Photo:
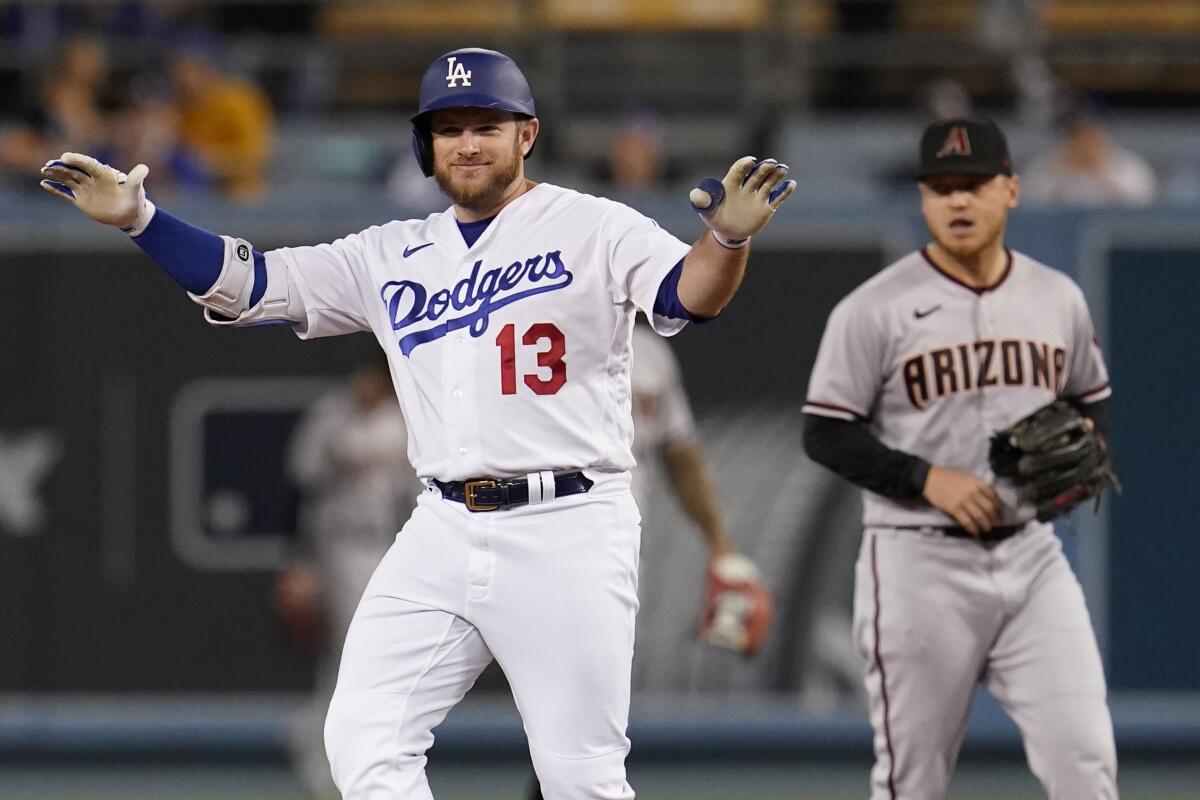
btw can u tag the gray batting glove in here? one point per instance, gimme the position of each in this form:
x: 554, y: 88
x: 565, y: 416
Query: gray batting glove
x: 743, y: 203
x: 103, y: 193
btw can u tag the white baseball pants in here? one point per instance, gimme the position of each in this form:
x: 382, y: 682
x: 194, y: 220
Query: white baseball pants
x: 549, y: 591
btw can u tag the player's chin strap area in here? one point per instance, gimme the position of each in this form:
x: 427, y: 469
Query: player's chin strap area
x: 497, y: 494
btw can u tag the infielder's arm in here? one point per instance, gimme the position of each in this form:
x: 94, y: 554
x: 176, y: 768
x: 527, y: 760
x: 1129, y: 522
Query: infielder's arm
x: 853, y: 452
x: 689, y: 476
x: 1087, y: 383
x: 845, y: 382
x: 734, y: 209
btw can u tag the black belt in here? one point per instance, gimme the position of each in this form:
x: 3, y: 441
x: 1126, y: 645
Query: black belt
x: 497, y: 494
x: 997, y: 534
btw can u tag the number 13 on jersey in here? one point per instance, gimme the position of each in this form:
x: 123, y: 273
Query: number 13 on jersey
x: 550, y: 358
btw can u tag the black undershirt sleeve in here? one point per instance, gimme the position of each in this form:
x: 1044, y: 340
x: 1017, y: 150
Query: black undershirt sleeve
x: 853, y: 452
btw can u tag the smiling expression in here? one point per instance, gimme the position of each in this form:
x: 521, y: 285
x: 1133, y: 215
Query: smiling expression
x: 478, y: 154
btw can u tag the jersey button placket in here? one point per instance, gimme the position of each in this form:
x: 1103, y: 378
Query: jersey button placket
x: 985, y: 330
x: 457, y: 360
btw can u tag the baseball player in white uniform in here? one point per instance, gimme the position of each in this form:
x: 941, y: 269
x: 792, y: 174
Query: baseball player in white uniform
x: 957, y: 584
x: 507, y: 321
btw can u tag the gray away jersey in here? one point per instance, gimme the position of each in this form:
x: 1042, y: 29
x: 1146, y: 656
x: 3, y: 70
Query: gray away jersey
x: 934, y: 367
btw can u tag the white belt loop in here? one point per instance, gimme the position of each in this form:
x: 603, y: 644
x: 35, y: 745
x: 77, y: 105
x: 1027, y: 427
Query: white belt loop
x: 534, y: 480
x: 548, y: 487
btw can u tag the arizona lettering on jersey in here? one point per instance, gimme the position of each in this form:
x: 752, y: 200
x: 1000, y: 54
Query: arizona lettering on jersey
x: 934, y: 366
x: 509, y: 356
x: 977, y: 365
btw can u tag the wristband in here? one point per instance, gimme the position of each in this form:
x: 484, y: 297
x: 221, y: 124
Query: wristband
x: 143, y: 219
x: 728, y: 243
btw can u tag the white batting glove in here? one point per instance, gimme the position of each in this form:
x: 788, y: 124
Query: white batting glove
x: 743, y: 203
x: 103, y: 193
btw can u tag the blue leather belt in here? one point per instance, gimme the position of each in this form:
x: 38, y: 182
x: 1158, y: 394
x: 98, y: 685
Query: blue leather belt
x: 497, y: 494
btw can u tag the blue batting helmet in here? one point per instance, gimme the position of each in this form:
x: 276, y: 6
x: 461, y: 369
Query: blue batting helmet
x: 468, y: 78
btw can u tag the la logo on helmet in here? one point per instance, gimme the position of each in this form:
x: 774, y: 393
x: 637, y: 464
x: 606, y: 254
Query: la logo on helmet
x: 456, y: 72
x: 957, y: 143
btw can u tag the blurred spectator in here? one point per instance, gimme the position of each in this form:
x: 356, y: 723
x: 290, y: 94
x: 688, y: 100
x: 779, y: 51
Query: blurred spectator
x: 68, y: 111
x: 636, y: 159
x: 225, y: 119
x: 146, y: 131
x: 943, y: 98
x: 349, y: 458
x: 1087, y: 168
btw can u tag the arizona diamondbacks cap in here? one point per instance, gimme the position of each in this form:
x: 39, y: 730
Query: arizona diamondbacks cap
x: 973, y: 146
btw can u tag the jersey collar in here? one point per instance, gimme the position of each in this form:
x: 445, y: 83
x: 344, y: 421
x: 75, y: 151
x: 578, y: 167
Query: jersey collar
x: 1008, y: 264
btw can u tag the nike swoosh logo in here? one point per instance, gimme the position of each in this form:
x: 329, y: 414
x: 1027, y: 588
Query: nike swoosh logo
x: 923, y: 314
x: 408, y: 251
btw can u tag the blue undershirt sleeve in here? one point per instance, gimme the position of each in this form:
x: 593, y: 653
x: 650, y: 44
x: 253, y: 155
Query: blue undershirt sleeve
x: 193, y: 257
x: 666, y: 303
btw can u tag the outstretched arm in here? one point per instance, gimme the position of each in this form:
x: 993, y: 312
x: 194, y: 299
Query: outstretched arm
x: 734, y: 209
x: 196, y: 259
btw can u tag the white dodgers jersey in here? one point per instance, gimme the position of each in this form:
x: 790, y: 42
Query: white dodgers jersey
x: 935, y: 367
x: 508, y: 356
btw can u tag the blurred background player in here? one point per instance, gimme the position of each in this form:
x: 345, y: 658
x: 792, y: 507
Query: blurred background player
x: 349, y: 458
x: 738, y: 607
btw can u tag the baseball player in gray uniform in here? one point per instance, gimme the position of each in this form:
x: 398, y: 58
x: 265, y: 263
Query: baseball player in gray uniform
x: 957, y: 584
x: 506, y: 320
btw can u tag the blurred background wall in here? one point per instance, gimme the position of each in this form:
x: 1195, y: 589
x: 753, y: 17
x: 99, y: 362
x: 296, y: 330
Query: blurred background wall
x: 138, y: 544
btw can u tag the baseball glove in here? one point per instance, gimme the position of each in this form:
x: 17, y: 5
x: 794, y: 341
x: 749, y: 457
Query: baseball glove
x: 738, y: 607
x: 1055, y: 458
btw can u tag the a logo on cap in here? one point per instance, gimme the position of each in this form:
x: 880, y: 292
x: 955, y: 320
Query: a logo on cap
x: 957, y: 143
x: 456, y: 72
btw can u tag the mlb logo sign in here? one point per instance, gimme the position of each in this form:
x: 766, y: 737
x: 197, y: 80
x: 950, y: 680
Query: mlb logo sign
x: 957, y: 143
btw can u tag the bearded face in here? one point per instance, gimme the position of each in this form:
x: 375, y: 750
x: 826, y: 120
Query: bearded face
x: 478, y: 154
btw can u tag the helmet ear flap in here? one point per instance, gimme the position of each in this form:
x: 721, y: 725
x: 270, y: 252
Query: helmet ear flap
x: 422, y: 147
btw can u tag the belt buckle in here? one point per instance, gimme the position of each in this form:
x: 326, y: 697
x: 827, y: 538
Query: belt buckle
x: 469, y: 495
